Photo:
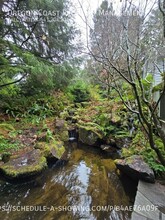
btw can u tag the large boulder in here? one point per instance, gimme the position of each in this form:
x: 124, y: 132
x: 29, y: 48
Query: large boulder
x: 89, y: 134
x: 24, y: 166
x: 52, y: 150
x: 136, y: 168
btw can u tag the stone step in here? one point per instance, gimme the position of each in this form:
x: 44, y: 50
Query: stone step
x: 149, y: 202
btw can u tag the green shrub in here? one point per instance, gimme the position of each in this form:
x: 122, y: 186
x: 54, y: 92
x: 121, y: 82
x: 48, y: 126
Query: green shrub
x: 79, y: 91
x: 39, y: 105
x: 140, y: 146
x: 6, y: 145
x: 95, y: 92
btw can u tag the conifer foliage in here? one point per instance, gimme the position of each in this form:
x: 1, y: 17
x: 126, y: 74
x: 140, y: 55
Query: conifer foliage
x: 35, y: 44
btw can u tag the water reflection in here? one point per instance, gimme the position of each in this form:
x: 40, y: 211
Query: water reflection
x: 77, y: 190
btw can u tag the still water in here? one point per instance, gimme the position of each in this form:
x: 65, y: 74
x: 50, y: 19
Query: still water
x: 87, y: 187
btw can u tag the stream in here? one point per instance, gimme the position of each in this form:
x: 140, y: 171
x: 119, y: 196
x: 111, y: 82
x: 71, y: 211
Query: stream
x: 87, y: 187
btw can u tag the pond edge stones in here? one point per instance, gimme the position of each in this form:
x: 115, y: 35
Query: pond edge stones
x: 135, y: 167
x: 24, y: 166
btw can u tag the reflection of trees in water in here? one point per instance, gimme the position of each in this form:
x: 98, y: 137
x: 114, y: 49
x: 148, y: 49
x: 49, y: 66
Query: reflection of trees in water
x: 87, y: 180
x: 69, y: 190
x: 62, y: 190
x: 105, y: 189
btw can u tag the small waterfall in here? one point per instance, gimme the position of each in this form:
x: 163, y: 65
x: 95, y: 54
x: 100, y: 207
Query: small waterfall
x: 132, y: 130
x: 131, y: 126
x: 73, y: 135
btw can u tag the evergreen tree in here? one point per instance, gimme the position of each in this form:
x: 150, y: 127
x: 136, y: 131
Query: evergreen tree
x: 36, y: 38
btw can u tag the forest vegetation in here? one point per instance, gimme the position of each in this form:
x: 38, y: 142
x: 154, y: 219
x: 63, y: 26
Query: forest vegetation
x: 109, y: 88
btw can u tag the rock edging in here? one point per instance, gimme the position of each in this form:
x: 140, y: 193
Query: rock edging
x: 136, y: 168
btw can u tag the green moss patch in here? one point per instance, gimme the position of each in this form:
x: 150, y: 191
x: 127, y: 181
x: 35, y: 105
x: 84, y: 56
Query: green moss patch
x: 53, y: 149
x: 25, y: 166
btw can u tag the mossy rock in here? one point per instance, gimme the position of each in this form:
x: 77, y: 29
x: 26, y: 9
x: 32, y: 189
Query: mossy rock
x: 61, y: 130
x: 25, y: 166
x: 51, y: 150
x: 89, y: 134
x: 135, y: 167
x: 63, y: 135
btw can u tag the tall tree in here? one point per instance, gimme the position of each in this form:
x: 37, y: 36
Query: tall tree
x: 123, y: 54
x: 162, y: 9
x: 36, y: 36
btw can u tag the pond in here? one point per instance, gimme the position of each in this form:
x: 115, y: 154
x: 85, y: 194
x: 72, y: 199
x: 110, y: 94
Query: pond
x: 86, y: 187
